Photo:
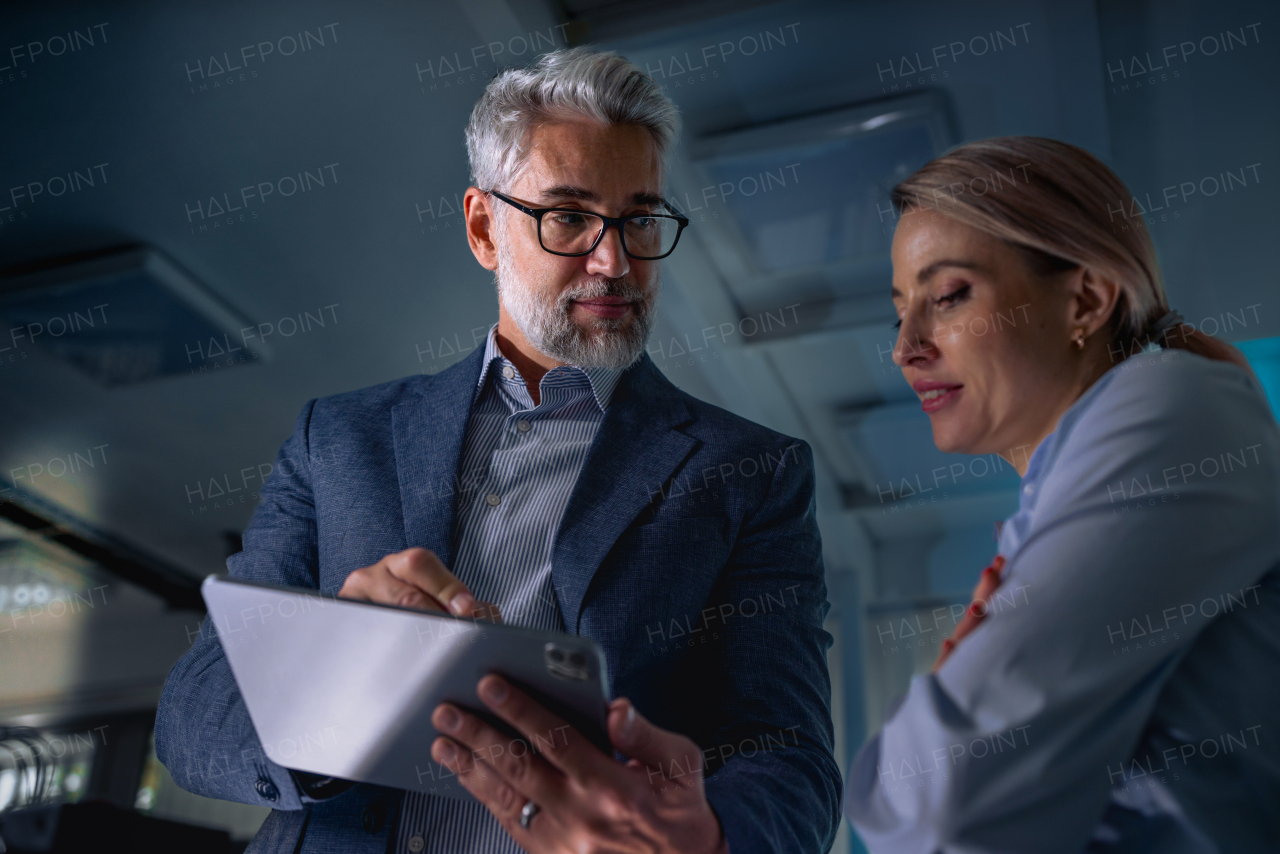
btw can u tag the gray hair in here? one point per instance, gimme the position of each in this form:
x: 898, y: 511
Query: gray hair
x: 579, y: 82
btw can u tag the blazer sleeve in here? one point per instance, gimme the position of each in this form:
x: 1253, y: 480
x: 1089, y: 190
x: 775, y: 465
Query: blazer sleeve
x: 203, y: 732
x: 1020, y: 734
x: 773, y: 779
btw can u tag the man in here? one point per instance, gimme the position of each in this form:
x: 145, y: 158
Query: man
x: 557, y: 474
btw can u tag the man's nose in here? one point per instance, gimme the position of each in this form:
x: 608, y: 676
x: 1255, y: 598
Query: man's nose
x: 608, y: 259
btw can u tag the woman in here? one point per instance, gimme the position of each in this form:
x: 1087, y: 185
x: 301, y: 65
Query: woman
x: 1126, y: 699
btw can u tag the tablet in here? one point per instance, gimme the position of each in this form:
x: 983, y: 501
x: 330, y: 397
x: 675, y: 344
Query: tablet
x: 346, y: 689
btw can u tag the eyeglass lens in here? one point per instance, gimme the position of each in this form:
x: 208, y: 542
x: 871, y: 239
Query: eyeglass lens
x: 574, y: 232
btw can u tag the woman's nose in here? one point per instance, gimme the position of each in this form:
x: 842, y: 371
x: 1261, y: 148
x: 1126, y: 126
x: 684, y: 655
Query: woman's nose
x: 913, y: 344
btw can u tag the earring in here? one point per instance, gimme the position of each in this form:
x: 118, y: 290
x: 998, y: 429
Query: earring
x: 1079, y: 339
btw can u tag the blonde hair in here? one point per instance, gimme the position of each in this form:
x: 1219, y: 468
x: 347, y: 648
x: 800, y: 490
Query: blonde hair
x: 1062, y: 208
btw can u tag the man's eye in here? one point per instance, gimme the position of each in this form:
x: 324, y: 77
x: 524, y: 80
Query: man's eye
x: 644, y: 222
x: 568, y: 219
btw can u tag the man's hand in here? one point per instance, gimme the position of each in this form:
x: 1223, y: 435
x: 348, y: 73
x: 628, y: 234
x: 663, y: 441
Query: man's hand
x: 977, y: 610
x: 587, y: 801
x: 415, y: 578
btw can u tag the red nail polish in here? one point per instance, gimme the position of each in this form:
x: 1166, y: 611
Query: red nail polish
x: 978, y: 609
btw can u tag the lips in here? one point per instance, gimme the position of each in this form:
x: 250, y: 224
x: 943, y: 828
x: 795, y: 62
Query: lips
x: 935, y: 395
x: 605, y: 306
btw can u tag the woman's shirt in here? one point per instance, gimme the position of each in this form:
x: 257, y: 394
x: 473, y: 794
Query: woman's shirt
x: 1126, y: 697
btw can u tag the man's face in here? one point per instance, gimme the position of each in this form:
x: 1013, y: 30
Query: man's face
x: 595, y: 310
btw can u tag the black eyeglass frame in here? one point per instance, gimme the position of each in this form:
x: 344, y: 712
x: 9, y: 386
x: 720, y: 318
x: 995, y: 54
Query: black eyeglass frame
x: 609, y: 222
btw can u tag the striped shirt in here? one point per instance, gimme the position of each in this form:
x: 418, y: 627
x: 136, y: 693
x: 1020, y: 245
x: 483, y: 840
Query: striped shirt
x: 518, y: 468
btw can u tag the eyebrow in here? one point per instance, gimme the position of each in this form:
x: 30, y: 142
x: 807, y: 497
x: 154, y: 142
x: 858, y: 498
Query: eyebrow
x: 927, y: 273
x: 566, y: 191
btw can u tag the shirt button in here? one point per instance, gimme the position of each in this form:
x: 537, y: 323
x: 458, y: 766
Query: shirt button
x: 493, y: 500
x: 523, y: 426
x: 416, y: 844
x: 509, y: 372
x: 1029, y: 489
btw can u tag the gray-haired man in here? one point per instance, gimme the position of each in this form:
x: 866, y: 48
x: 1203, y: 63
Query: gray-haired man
x: 557, y: 474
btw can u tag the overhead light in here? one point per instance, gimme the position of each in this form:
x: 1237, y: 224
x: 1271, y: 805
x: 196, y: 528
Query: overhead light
x: 121, y: 316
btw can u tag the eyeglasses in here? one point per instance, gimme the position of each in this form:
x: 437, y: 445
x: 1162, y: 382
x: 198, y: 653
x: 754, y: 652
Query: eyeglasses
x: 571, y: 233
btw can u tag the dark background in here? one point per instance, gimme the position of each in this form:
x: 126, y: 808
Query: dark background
x: 836, y: 101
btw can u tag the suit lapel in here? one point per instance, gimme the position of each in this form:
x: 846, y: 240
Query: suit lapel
x: 428, y: 433
x: 634, y: 453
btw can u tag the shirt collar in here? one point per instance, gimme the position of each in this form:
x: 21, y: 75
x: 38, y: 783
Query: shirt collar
x: 602, y: 381
x: 1013, y: 529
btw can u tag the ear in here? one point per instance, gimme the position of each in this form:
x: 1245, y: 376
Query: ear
x: 481, y: 228
x: 1093, y: 299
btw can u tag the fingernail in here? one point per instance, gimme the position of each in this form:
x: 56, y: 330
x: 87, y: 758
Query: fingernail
x: 450, y: 720
x: 463, y: 603
x: 977, y: 609
x: 495, y: 690
x: 948, y: 643
x: 628, y: 720
x: 448, y: 751
x: 991, y: 570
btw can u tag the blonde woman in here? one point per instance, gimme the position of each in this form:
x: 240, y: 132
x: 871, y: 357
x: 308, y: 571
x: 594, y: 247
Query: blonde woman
x: 1129, y: 699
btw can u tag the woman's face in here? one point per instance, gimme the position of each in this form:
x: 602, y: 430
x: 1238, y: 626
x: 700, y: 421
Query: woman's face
x: 984, y: 342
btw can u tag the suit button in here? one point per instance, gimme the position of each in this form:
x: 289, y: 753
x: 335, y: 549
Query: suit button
x: 266, y: 789
x: 416, y: 844
x: 372, y: 816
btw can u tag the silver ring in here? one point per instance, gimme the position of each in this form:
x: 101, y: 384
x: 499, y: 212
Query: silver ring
x: 527, y: 814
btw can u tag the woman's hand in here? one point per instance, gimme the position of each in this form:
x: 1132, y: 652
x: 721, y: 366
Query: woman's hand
x: 977, y: 610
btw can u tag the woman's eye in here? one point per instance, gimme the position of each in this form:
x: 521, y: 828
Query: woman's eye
x: 955, y: 296
x: 898, y: 324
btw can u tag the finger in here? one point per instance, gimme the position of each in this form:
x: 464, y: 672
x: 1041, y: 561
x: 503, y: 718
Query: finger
x: 486, y: 611
x: 421, y: 568
x: 989, y: 580
x: 973, y: 615
x: 562, y: 746
x: 376, y: 584
x: 667, y: 756
x: 947, y: 646
x: 980, y: 606
x: 511, y: 758
x: 487, y: 785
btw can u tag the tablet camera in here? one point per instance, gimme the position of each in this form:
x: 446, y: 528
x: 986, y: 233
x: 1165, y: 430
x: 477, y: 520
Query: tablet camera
x: 566, y: 663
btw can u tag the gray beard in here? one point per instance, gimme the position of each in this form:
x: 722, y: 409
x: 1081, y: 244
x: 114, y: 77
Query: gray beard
x: 616, y: 343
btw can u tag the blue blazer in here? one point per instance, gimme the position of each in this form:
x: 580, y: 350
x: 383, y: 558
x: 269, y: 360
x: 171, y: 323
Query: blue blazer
x: 689, y: 551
